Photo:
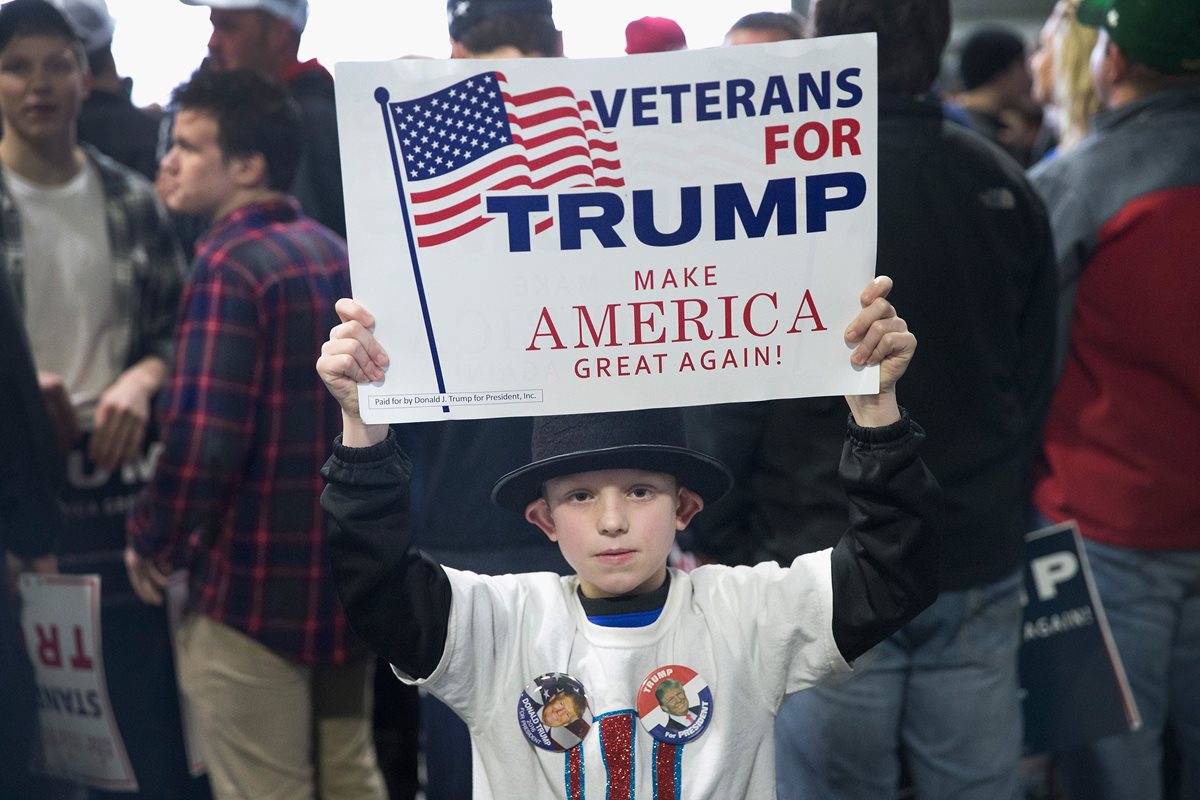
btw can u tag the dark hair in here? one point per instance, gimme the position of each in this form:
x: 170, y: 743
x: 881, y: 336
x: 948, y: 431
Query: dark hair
x: 38, y: 18
x: 532, y: 34
x: 986, y: 53
x: 792, y: 24
x: 912, y: 36
x: 254, y: 114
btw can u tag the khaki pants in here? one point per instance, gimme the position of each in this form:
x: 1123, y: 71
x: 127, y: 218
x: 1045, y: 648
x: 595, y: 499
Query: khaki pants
x: 275, y: 730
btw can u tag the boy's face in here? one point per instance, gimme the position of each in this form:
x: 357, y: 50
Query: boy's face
x: 615, y: 527
x: 42, y: 85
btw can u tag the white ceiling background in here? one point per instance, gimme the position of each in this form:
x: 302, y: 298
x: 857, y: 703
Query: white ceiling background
x: 159, y: 42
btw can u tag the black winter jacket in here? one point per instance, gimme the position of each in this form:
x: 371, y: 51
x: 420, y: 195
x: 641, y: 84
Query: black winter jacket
x: 967, y: 242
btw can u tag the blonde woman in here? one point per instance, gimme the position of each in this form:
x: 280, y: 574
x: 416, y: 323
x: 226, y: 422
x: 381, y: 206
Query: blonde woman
x: 1061, y: 78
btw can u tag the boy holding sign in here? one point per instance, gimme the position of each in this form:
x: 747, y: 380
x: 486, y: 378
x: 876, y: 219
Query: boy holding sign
x: 612, y: 490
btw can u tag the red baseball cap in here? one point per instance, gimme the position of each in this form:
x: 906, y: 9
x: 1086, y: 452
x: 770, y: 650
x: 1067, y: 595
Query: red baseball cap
x: 654, y: 35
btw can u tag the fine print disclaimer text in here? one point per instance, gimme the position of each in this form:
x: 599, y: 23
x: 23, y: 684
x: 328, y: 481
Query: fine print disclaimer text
x: 491, y: 398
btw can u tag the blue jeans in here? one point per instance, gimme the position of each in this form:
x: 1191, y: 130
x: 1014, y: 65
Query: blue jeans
x: 944, y: 687
x: 1152, y: 601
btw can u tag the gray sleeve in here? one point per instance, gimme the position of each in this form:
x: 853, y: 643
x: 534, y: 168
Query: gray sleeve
x: 1074, y: 226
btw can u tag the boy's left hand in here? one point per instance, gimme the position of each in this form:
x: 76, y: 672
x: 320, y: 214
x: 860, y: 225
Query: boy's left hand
x: 880, y: 337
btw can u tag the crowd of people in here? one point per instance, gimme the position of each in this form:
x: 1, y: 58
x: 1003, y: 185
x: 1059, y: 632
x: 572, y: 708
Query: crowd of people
x: 168, y: 278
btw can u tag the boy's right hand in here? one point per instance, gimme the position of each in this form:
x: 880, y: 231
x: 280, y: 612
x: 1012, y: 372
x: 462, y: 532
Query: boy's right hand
x: 350, y: 357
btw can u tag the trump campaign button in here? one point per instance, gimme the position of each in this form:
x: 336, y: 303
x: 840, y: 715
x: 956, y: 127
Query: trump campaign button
x: 554, y: 712
x: 674, y: 704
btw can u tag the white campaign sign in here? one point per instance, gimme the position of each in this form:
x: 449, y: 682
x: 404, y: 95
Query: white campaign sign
x: 546, y: 236
x: 60, y: 621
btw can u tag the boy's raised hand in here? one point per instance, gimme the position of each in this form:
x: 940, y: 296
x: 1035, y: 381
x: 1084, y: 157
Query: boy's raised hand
x: 879, y: 336
x: 350, y: 357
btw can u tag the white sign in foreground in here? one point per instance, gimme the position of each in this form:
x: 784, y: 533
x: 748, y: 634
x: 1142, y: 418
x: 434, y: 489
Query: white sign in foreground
x: 60, y: 621
x: 547, y: 236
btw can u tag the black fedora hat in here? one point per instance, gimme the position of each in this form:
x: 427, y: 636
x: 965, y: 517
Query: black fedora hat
x: 649, y: 439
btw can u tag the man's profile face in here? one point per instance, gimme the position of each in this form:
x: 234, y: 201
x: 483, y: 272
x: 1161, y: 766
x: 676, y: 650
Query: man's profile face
x: 1041, y: 60
x: 239, y: 39
x: 674, y: 701
x: 197, y: 178
x: 42, y: 85
x: 1016, y: 81
x: 559, y: 711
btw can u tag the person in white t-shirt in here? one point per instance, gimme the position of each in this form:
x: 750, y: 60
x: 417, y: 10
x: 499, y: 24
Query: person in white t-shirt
x: 59, y: 249
x: 612, y: 490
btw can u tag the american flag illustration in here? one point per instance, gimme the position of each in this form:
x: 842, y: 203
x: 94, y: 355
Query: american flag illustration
x: 475, y: 136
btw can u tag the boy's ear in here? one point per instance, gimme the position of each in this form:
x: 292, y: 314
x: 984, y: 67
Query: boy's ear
x: 687, y: 505
x: 538, y: 512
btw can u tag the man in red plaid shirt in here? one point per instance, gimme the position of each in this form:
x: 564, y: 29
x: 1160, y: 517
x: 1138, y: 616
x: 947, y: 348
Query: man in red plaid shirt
x: 279, y: 684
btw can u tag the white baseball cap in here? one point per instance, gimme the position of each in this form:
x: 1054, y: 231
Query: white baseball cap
x: 91, y: 21
x: 294, y: 12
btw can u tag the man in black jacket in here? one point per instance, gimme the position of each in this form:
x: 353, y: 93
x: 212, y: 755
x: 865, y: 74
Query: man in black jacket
x: 968, y: 243
x: 31, y: 477
x: 108, y: 119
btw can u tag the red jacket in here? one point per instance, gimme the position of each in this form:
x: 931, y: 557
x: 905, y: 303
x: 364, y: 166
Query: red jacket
x: 1123, y: 433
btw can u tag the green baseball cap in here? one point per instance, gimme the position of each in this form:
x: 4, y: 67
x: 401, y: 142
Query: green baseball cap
x: 1162, y: 34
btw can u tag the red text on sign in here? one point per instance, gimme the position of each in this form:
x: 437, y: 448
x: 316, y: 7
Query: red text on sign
x: 814, y: 140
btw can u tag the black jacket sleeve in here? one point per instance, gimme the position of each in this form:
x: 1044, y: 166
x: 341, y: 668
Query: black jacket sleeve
x: 395, y: 599
x: 885, y: 568
x: 32, y: 471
